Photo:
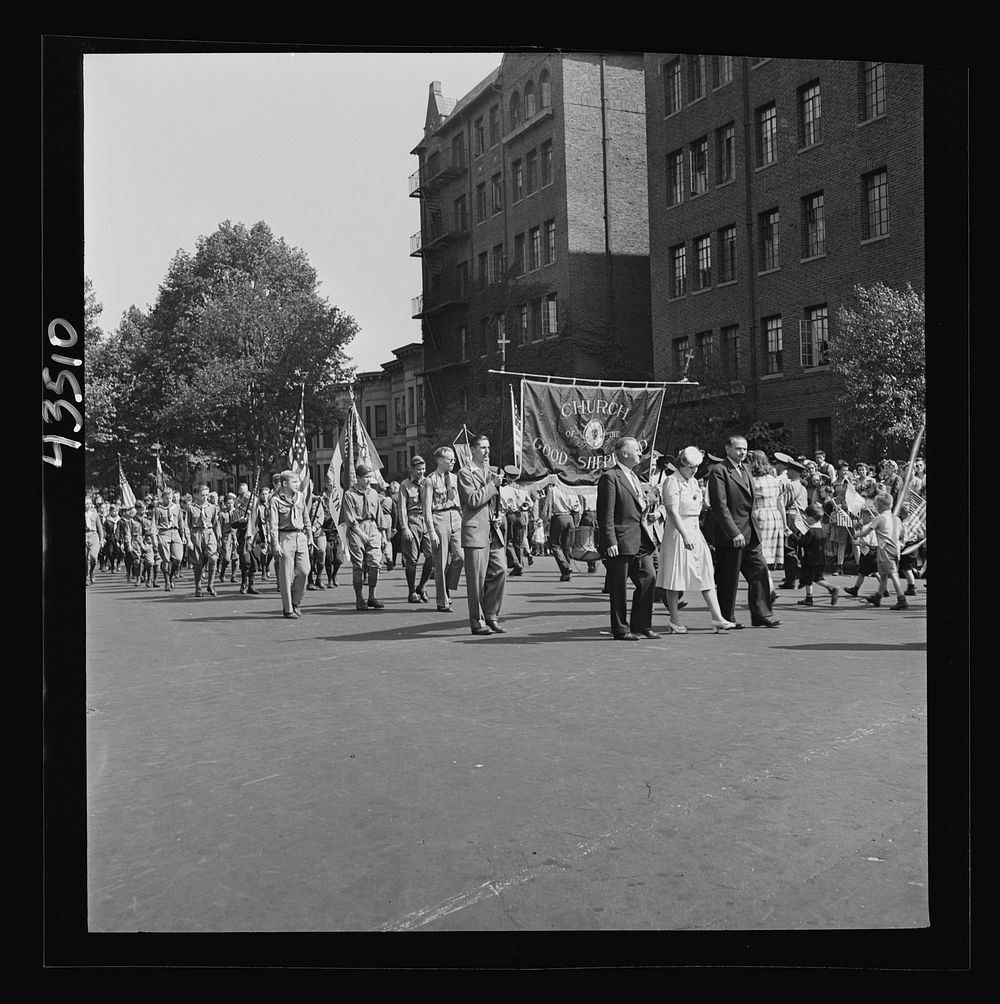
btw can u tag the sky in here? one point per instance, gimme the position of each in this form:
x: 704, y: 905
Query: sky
x: 317, y: 145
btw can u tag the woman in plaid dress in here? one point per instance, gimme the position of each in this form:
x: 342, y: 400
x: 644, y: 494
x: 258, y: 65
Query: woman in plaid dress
x: 768, y: 511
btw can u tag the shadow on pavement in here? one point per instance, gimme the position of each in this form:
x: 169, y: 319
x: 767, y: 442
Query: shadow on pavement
x: 910, y: 646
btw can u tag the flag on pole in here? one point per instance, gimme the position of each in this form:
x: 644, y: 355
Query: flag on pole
x: 854, y: 502
x: 298, y: 455
x: 252, y: 525
x: 463, y: 448
x: 518, y: 429
x: 915, y: 523
x: 128, y: 496
x: 161, y: 481
x: 909, y: 470
x: 336, y: 464
x: 356, y: 447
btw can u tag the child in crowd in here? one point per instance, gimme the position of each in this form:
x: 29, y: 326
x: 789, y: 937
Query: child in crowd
x: 887, y: 528
x: 908, y: 562
x: 811, y: 556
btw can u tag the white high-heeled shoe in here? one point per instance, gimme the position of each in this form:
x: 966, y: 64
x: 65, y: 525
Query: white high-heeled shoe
x: 721, y: 626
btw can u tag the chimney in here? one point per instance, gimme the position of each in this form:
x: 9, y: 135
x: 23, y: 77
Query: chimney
x: 436, y: 87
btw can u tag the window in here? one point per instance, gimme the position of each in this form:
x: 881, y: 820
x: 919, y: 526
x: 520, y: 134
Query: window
x: 328, y: 439
x: 682, y: 346
x: 551, y: 315
x: 876, y: 204
x: 672, y: 87
x: 497, y: 190
x: 524, y: 332
x: 769, y: 240
x: 705, y: 346
x: 767, y: 135
x: 501, y: 328
x: 703, y: 256
x: 530, y: 104
x: 496, y: 264
x: 516, y: 181
x: 813, y: 226
x: 536, y: 320
x: 730, y: 336
x: 410, y: 409
x: 420, y: 403
x: 872, y: 90
x: 534, y: 248
x: 549, y: 244
x: 814, y: 337
x: 696, y: 77
x: 819, y: 436
x: 772, y: 344
x: 381, y: 420
x: 727, y: 254
x: 532, y: 162
x: 481, y: 202
x: 675, y: 178
x: 678, y: 270
x: 545, y: 87
x: 399, y: 420
x: 458, y: 150
x: 463, y: 341
x: 547, y: 163
x: 810, y: 115
x: 515, y: 110
x: 484, y: 335
x: 519, y: 254
x: 725, y: 154
x: 461, y: 214
x: 722, y: 70
x: 478, y: 138
x: 483, y: 269
x: 699, y: 166
x: 462, y: 279
x: 368, y: 420
x: 494, y: 125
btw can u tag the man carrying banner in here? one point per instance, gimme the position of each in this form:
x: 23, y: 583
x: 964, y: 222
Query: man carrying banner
x: 414, y: 540
x: 291, y: 538
x: 483, y: 539
x: 94, y: 537
x: 625, y: 544
x: 319, y: 517
x: 442, y: 517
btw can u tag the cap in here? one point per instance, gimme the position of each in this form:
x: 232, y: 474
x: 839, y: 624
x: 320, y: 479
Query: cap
x: 783, y: 458
x: 795, y: 465
x: 714, y: 459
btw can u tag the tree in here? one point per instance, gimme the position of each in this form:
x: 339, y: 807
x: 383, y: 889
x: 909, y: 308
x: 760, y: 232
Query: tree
x: 879, y: 351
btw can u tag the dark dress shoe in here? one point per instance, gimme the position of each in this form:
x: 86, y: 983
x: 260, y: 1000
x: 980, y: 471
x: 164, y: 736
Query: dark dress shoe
x: 288, y: 614
x: 647, y: 633
x: 252, y: 592
x: 628, y: 636
x: 681, y: 604
x: 311, y: 588
x: 495, y: 628
x: 771, y: 622
x: 444, y: 610
x: 482, y: 631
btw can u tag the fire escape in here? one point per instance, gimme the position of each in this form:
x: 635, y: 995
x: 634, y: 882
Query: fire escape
x: 444, y: 286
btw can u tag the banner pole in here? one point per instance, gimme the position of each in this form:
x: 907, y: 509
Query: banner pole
x: 677, y: 403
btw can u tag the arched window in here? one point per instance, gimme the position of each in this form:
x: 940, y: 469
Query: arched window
x: 530, y: 106
x: 546, y: 88
x: 515, y: 110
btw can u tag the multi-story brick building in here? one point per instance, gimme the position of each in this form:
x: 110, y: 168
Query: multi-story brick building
x: 776, y: 186
x: 532, y: 190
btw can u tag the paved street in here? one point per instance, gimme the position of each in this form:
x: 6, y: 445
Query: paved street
x: 388, y: 771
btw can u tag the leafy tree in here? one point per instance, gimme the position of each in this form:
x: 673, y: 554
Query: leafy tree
x: 879, y: 351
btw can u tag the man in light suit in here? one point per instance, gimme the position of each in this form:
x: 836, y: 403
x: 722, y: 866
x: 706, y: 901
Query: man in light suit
x: 737, y: 542
x: 626, y: 544
x: 483, y: 540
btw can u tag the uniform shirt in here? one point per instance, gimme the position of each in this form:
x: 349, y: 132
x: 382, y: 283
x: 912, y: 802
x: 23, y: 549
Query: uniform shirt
x: 443, y: 489
x: 410, y: 504
x: 202, y: 517
x: 560, y: 502
x: 241, y: 512
x: 285, y: 513
x: 133, y: 529
x: 167, y: 517
x: 361, y: 506
x: 94, y: 523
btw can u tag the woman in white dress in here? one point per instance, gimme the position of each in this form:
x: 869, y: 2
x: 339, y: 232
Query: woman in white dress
x: 685, y: 560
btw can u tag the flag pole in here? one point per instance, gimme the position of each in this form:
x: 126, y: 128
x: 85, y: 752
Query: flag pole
x: 909, y: 470
x: 677, y: 403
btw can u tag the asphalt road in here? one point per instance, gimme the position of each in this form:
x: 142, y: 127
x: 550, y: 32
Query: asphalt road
x: 388, y: 771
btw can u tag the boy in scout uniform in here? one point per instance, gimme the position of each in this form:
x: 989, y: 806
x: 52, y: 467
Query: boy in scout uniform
x: 169, y: 536
x: 364, y: 540
x: 204, y: 532
x: 319, y: 516
x: 413, y: 538
x: 140, y: 528
x: 291, y: 540
x: 227, y: 538
x: 334, y: 545
x: 443, y: 519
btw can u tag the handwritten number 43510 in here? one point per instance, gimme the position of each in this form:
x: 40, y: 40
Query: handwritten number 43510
x: 53, y: 411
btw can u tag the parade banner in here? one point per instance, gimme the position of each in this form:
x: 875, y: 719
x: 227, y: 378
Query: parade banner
x: 571, y: 429
x: 463, y: 449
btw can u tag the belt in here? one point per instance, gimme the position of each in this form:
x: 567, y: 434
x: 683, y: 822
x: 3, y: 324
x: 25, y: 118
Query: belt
x: 292, y: 529
x: 447, y: 508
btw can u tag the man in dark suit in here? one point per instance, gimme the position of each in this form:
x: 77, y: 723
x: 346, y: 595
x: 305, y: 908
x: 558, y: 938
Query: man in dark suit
x: 483, y: 539
x: 737, y: 543
x: 626, y: 545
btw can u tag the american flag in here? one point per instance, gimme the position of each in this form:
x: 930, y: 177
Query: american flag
x: 518, y: 430
x: 915, y: 524
x: 128, y: 496
x: 298, y: 455
x: 161, y: 481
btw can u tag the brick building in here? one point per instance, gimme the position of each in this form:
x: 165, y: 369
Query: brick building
x: 533, y: 226
x: 775, y: 186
